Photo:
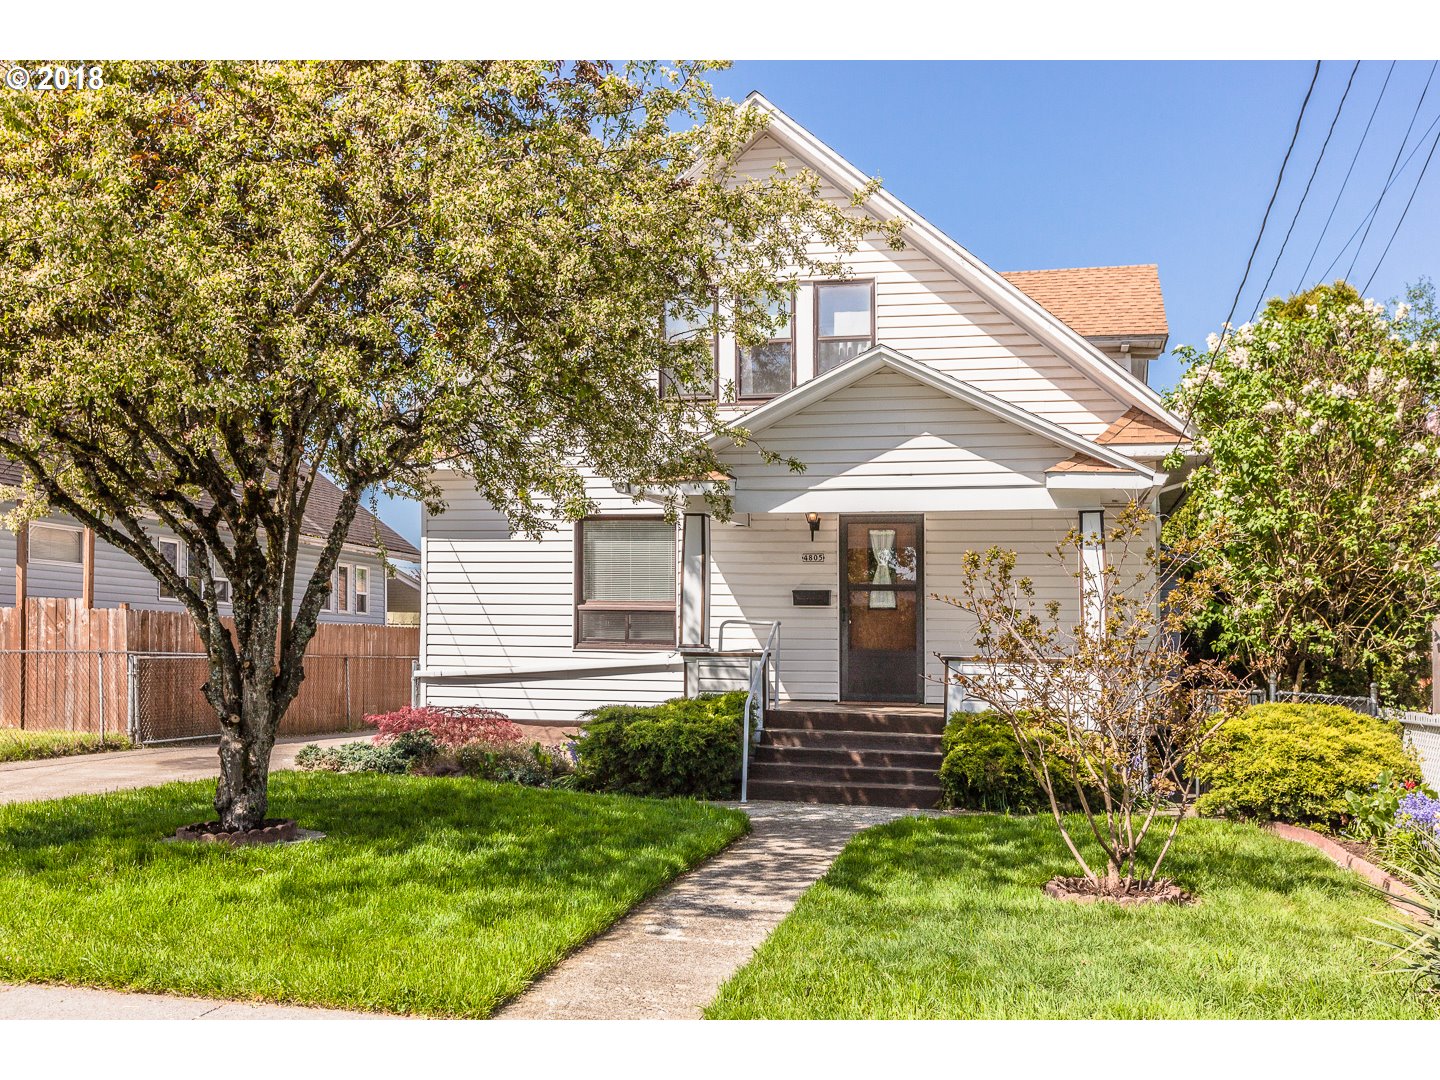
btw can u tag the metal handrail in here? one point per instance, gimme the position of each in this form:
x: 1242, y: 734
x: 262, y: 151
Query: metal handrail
x: 758, y: 684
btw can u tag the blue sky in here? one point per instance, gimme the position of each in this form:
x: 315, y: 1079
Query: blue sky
x: 1037, y: 164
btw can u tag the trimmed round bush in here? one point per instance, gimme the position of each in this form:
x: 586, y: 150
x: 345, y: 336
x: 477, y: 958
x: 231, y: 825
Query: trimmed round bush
x: 685, y: 746
x: 1282, y: 762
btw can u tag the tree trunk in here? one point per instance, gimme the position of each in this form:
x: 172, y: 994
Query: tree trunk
x: 246, y: 739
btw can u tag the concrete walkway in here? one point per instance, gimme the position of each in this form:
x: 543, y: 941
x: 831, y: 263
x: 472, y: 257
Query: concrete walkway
x: 667, y: 958
x: 92, y: 774
x: 81, y: 1003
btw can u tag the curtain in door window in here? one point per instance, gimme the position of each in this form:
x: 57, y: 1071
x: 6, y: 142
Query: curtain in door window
x: 882, y: 549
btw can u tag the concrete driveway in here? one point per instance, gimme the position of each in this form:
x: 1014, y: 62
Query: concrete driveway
x: 93, y: 774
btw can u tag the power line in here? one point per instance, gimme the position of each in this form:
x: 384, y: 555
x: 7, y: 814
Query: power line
x: 1370, y: 214
x: 1413, y: 117
x: 1306, y: 193
x: 1305, y: 274
x: 1418, y: 180
x: 1264, y: 220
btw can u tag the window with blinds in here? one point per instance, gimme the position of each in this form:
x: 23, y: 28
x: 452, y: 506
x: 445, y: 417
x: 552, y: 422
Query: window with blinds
x: 54, y: 543
x: 625, y: 588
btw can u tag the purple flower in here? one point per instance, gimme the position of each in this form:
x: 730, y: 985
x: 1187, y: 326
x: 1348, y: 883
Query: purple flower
x: 1419, y: 813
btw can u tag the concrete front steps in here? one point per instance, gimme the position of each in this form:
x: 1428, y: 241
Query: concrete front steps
x: 865, y: 755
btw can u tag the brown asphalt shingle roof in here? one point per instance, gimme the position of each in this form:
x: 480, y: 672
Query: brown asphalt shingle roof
x: 1083, y: 463
x: 319, y: 514
x: 1138, y: 428
x: 1099, y: 301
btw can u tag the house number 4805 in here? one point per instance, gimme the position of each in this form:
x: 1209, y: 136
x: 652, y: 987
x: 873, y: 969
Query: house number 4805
x: 812, y: 556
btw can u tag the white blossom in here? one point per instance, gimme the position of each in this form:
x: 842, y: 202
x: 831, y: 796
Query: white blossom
x: 1402, y: 311
x: 1270, y: 408
x: 1375, y: 379
x: 1340, y: 390
x: 1319, y: 426
x: 1212, y: 341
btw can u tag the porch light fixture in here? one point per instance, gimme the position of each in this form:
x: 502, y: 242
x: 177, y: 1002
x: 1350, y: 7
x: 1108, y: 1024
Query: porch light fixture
x: 813, y: 519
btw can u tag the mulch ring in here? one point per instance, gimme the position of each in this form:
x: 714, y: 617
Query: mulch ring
x: 270, y: 831
x: 1080, y: 890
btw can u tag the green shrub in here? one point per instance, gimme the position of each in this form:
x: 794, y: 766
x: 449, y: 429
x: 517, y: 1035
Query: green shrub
x: 1295, y: 762
x: 507, y: 763
x: 408, y: 750
x: 983, y: 768
x: 686, y: 746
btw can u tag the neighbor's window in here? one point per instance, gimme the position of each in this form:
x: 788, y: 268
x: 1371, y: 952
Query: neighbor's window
x: 769, y: 369
x: 625, y: 592
x: 54, y: 543
x: 170, y: 552
x: 340, y: 589
x: 362, y: 590
x: 844, y: 322
x: 196, y: 557
x: 681, y: 327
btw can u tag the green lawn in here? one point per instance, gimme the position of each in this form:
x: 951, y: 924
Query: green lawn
x: 945, y: 918
x: 16, y: 745
x: 434, y: 896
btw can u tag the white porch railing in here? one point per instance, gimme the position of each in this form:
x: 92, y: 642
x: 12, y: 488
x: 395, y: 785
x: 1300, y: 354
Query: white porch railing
x: 764, y: 686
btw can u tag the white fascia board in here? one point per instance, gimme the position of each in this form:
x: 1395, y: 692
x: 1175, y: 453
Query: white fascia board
x: 1093, y: 481
x: 883, y: 356
x: 988, y: 284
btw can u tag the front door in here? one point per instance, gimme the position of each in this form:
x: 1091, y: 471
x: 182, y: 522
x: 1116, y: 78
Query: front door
x: 881, y: 604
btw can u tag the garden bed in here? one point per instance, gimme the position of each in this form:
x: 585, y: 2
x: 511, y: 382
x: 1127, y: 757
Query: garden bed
x: 433, y: 896
x: 945, y: 918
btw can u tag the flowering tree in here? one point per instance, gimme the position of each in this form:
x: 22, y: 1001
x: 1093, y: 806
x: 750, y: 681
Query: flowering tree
x: 1322, y: 487
x: 1108, y: 692
x: 222, y: 279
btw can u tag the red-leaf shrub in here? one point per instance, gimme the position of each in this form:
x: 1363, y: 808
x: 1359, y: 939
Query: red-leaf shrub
x: 452, y: 727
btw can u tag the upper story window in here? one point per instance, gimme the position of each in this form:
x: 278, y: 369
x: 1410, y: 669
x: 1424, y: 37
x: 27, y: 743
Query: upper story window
x: 170, y: 552
x: 769, y: 369
x: 340, y: 589
x: 54, y: 543
x: 195, y: 558
x: 625, y: 583
x: 844, y: 322
x: 681, y: 328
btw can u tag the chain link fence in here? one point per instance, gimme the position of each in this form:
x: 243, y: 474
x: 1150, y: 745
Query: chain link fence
x: 60, y: 700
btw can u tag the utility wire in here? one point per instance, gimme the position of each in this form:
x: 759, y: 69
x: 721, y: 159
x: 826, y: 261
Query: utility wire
x: 1305, y: 274
x: 1306, y: 193
x: 1418, y: 180
x: 1264, y: 220
x: 1413, y: 117
x: 1370, y: 214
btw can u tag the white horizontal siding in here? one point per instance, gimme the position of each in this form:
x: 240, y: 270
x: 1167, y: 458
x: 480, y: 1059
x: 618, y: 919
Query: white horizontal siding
x: 922, y: 311
x: 893, y: 440
x: 501, y: 603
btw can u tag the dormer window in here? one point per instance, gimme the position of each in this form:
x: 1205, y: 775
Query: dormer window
x: 844, y: 322
x: 768, y: 369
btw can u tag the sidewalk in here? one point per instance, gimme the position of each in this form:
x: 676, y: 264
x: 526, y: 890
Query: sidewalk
x: 81, y: 1003
x: 93, y: 774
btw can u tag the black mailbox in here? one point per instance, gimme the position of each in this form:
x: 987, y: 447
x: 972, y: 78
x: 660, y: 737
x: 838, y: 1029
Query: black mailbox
x: 810, y: 597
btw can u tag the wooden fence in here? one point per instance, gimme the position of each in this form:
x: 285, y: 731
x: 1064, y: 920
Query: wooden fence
x: 72, y: 671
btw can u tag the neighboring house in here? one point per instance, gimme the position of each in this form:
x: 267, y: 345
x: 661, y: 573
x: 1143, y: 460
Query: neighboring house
x: 57, y: 567
x: 939, y: 407
x: 402, y: 596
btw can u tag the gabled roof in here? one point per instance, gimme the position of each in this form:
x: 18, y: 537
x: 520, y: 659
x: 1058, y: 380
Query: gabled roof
x: 1099, y: 301
x: 366, y: 530
x: 1138, y: 428
x: 883, y: 356
x: 1003, y: 295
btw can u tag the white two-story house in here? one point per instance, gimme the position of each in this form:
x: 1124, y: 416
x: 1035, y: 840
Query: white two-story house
x: 938, y: 405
